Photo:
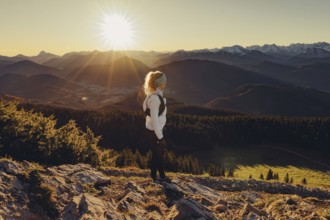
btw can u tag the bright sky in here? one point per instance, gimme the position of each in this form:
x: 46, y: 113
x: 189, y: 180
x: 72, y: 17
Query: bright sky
x: 29, y: 26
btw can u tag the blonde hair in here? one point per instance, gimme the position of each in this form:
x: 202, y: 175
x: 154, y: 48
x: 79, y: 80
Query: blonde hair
x: 149, y: 81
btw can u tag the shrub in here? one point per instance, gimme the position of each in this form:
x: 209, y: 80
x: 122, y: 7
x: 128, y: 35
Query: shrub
x: 26, y: 135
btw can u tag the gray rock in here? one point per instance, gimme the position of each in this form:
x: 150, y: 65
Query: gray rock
x: 221, y: 208
x: 208, y: 193
x: 99, y: 184
x: 133, y: 186
x: 206, y: 202
x: 252, y: 216
x: 222, y: 202
x: 11, y: 167
x: 172, y: 191
x: 250, y: 197
x: 86, y: 206
x: 133, y: 203
x: 246, y: 209
x: 290, y: 201
x: 189, y: 209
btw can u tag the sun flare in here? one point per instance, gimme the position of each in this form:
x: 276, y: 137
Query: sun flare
x: 117, y: 31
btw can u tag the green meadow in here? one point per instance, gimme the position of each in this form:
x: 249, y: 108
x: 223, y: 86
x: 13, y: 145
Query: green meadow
x: 315, y: 178
x: 255, y: 160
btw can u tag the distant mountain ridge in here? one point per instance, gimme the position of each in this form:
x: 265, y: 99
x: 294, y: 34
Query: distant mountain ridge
x: 239, y: 55
x: 27, y: 67
x: 151, y: 58
x: 293, y: 49
x: 40, y: 58
x: 320, y: 49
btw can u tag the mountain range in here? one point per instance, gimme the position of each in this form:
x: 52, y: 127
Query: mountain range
x: 40, y: 58
x: 237, y: 55
x: 236, y: 78
x: 154, y: 58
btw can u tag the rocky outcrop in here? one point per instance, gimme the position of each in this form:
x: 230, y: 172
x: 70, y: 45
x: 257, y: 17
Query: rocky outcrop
x: 262, y: 186
x: 30, y: 191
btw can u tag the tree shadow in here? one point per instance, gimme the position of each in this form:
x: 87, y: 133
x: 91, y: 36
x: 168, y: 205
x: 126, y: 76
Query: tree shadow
x: 271, y: 155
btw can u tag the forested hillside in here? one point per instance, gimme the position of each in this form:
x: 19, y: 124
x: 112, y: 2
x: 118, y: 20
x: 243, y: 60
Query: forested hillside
x: 121, y: 128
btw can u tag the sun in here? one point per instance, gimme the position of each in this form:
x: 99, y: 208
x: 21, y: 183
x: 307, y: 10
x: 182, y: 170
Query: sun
x: 117, y: 31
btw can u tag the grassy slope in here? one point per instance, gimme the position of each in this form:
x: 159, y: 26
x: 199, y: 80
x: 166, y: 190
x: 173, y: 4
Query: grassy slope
x: 314, y: 178
x: 254, y: 160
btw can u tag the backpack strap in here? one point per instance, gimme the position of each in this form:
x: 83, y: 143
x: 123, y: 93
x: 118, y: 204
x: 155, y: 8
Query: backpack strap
x: 161, y: 106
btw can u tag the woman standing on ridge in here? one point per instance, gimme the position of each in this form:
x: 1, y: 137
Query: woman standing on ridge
x: 154, y: 106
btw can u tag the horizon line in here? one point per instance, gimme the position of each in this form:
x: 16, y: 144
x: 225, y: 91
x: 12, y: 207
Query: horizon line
x: 162, y: 51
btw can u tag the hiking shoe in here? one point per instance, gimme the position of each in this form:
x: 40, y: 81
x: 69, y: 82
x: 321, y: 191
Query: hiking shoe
x: 166, y: 179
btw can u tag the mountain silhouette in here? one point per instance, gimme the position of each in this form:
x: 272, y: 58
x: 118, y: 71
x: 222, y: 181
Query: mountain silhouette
x: 275, y: 100
x: 315, y: 75
x: 41, y: 86
x: 124, y: 72
x: 200, y: 81
x: 28, y: 68
x: 40, y: 58
x: 231, y: 57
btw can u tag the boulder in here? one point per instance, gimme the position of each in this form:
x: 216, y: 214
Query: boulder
x: 189, y: 209
x: 290, y: 201
x: 133, y: 186
x: 12, y: 167
x: 221, y: 208
x: 250, y: 196
x: 172, y: 191
x: 133, y: 203
x: 87, y: 206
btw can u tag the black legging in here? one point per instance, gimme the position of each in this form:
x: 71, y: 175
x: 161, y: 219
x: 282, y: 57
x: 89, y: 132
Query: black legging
x: 158, y: 151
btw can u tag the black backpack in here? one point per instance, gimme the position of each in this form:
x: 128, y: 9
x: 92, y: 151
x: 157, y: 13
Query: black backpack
x: 161, y: 106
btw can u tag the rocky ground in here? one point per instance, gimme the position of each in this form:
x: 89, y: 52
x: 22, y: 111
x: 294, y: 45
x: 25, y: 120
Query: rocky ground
x: 29, y: 191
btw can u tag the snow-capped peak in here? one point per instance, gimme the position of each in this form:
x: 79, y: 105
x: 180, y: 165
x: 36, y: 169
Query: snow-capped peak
x: 236, y: 49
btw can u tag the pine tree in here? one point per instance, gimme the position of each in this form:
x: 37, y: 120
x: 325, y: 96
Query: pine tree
x: 230, y: 172
x: 286, y: 178
x: 291, y: 180
x: 261, y: 177
x: 139, y: 160
x: 222, y: 171
x: 250, y: 177
x: 304, y: 181
x: 269, y: 175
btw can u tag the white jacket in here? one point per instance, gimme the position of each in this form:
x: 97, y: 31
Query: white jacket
x: 155, y: 122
